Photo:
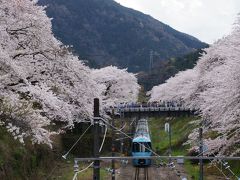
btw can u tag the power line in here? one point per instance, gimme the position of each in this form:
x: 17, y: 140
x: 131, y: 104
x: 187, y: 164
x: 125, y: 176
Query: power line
x: 75, y: 175
x: 222, y: 163
x: 100, y: 149
x: 231, y: 158
x: 137, y: 142
x: 158, y: 156
x: 163, y: 157
x: 65, y: 155
x: 220, y: 137
x: 201, y: 153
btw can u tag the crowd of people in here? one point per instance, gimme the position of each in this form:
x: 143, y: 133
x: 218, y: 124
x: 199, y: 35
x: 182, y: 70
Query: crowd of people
x: 150, y: 104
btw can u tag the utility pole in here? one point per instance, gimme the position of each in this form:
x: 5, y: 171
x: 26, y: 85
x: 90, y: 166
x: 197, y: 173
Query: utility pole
x: 170, y: 143
x: 152, y: 54
x: 121, y: 141
x: 169, y: 131
x: 170, y: 140
x: 96, y: 164
x: 201, y: 153
x: 113, y: 146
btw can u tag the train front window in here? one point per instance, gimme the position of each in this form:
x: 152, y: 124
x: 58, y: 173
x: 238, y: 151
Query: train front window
x: 141, y: 147
x: 136, y: 147
x: 148, y: 146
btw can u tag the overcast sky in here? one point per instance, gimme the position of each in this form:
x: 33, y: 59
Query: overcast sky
x: 207, y: 20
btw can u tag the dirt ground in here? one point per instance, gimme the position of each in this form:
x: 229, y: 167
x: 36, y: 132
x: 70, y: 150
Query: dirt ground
x: 159, y: 173
x: 154, y: 173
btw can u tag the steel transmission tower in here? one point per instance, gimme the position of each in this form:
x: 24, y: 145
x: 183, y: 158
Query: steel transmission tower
x: 152, y: 54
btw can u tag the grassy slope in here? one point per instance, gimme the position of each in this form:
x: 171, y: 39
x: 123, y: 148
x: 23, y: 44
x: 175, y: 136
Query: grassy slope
x: 18, y: 162
x: 23, y: 162
x: 180, y: 130
x: 36, y: 162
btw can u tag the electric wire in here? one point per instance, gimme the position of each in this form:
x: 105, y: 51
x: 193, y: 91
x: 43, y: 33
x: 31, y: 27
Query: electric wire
x: 75, y: 175
x: 229, y: 169
x: 104, y: 137
x: 122, y: 127
x: 220, y: 160
x: 100, y: 149
x: 211, y: 161
x: 132, y: 121
x: 65, y: 155
x: 202, y: 153
x: 131, y: 138
x: 120, y: 130
x: 51, y: 172
x: 221, y: 137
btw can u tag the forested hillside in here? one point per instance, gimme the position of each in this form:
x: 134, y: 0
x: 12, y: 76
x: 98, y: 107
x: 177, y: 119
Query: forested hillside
x: 163, y: 70
x: 106, y: 33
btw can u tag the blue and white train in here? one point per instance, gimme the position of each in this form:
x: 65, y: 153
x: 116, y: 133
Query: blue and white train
x: 141, y: 144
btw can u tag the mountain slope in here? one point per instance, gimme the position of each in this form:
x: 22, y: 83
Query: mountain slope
x: 165, y: 69
x: 105, y: 32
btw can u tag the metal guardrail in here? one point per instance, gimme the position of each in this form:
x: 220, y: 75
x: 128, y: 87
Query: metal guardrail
x: 152, y: 109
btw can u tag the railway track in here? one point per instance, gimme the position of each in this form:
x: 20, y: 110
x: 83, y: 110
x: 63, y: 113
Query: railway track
x: 141, y: 176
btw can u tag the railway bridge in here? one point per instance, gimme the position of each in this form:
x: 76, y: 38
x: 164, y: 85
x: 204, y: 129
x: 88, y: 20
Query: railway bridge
x: 153, y: 111
x: 134, y: 112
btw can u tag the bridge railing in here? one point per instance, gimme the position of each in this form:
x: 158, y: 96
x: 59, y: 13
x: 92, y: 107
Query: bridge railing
x: 151, y: 109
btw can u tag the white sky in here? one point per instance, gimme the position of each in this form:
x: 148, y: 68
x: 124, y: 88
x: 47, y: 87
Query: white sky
x: 207, y: 20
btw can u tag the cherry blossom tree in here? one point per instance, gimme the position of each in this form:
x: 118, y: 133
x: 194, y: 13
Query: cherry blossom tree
x: 180, y: 87
x: 118, y: 85
x: 213, y: 87
x: 42, y: 83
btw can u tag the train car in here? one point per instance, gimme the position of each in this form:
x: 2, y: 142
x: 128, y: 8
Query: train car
x: 141, y: 144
